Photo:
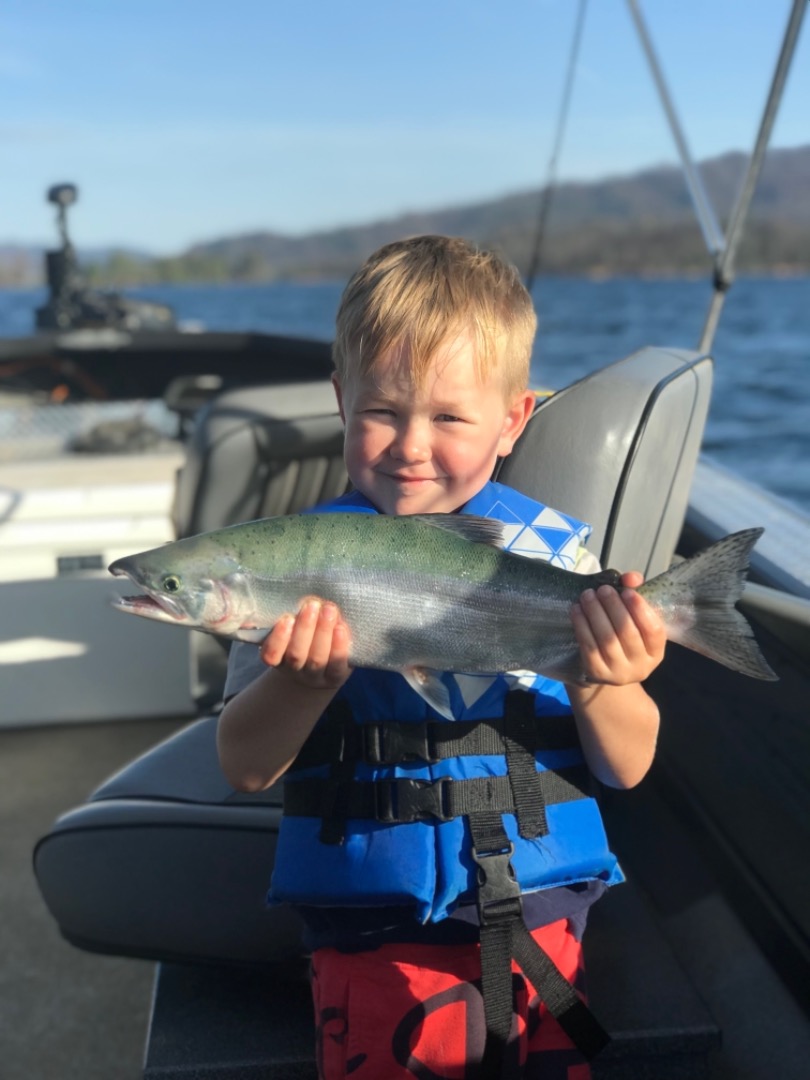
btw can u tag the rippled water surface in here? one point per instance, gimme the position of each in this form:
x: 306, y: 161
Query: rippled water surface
x: 759, y: 423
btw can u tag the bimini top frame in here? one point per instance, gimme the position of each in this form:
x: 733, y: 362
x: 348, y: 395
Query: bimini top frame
x: 723, y: 248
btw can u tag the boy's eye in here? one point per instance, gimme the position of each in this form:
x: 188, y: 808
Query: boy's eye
x: 444, y: 417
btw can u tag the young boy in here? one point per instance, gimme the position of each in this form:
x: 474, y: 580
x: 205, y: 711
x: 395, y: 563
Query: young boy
x: 416, y: 905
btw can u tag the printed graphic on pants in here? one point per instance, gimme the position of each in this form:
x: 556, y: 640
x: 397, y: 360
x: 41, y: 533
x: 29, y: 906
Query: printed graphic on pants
x: 415, y: 1011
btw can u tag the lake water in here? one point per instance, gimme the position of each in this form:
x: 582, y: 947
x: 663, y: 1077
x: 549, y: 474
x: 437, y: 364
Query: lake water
x: 759, y: 422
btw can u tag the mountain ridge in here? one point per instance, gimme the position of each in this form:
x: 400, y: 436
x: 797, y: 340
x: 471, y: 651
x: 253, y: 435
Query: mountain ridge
x: 653, y: 202
x: 631, y: 223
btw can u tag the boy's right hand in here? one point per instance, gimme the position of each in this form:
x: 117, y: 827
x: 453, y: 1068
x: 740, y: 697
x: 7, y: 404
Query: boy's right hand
x: 312, y: 646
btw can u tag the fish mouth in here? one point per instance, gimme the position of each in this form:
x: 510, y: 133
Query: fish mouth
x: 147, y: 604
x: 150, y: 607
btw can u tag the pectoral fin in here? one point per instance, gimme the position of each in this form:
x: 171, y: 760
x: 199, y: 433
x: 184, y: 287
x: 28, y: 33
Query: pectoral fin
x: 428, y: 684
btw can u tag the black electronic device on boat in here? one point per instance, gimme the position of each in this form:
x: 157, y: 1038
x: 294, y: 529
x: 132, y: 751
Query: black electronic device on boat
x: 71, y: 304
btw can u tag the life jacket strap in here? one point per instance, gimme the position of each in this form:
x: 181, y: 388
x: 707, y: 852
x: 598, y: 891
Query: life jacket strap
x: 334, y: 796
x: 396, y: 742
x: 504, y: 937
x: 520, y: 725
x: 341, y: 742
x: 403, y: 801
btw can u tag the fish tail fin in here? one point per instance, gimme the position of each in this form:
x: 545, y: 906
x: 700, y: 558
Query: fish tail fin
x: 710, y: 584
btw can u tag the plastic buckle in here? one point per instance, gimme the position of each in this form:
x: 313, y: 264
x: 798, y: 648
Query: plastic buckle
x: 390, y: 744
x: 405, y: 801
x: 498, y: 892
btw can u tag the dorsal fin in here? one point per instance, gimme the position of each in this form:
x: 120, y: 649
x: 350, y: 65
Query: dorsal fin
x: 479, y: 530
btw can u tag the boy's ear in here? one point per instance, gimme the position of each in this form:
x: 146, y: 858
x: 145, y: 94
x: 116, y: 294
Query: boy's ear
x: 516, y: 419
x: 339, y: 395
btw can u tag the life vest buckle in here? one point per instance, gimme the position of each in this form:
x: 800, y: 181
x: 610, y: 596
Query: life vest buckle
x: 404, y: 801
x: 391, y: 744
x: 498, y: 893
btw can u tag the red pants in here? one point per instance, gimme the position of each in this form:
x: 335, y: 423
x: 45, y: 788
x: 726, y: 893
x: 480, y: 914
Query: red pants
x: 405, y: 1011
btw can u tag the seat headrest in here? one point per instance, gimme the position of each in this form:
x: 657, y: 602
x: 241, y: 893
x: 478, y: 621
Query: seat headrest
x: 618, y: 449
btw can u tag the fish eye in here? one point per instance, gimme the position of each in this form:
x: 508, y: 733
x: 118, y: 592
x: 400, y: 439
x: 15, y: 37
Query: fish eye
x: 171, y: 583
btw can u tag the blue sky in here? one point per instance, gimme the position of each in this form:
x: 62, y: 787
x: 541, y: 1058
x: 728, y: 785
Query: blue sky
x: 185, y: 120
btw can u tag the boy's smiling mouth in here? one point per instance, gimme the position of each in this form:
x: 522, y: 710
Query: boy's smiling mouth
x: 402, y: 478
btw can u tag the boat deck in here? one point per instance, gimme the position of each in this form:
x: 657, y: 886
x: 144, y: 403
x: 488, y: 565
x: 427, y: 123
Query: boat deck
x: 77, y: 1016
x: 64, y: 1014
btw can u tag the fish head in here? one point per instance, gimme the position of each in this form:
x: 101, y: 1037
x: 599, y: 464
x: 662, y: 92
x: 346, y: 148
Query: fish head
x: 191, y: 582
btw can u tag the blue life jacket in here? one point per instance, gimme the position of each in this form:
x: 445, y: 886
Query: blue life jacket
x: 383, y: 792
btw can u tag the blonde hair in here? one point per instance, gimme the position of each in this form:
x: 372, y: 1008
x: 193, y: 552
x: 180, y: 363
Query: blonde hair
x: 423, y: 292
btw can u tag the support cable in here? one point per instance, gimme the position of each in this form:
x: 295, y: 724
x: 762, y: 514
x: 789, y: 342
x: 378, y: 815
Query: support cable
x: 551, y: 177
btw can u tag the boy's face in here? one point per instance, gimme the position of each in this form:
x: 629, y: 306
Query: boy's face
x: 429, y: 449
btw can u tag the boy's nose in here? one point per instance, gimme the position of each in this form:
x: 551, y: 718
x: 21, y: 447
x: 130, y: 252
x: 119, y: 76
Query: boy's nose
x: 412, y: 443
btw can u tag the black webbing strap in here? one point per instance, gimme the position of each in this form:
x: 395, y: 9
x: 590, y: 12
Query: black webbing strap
x: 402, y: 801
x: 558, y: 995
x: 392, y: 742
x: 503, y: 936
x: 336, y: 787
x: 520, y: 725
x: 499, y: 906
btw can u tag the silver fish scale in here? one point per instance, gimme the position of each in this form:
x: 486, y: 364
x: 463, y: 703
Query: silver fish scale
x: 399, y: 619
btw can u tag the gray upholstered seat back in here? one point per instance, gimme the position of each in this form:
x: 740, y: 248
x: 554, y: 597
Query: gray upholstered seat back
x: 618, y: 450
x: 260, y: 451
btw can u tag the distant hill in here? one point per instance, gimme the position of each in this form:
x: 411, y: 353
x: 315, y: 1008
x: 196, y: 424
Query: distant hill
x: 23, y: 264
x: 638, y: 223
x: 20, y: 264
x: 641, y: 223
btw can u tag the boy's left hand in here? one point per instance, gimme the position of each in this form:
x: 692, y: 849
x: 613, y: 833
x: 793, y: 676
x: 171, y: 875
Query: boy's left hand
x: 621, y: 638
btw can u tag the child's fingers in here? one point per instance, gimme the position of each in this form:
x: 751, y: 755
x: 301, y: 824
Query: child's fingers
x: 299, y: 648
x: 314, y: 643
x: 274, y: 646
x: 611, y: 624
x: 321, y: 641
x: 588, y: 646
x: 337, y: 669
x: 621, y: 638
x: 291, y: 637
x: 648, y: 623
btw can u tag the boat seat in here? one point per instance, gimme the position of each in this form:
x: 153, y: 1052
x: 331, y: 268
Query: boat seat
x: 255, y: 451
x: 618, y: 449
x: 165, y: 861
x: 260, y: 451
